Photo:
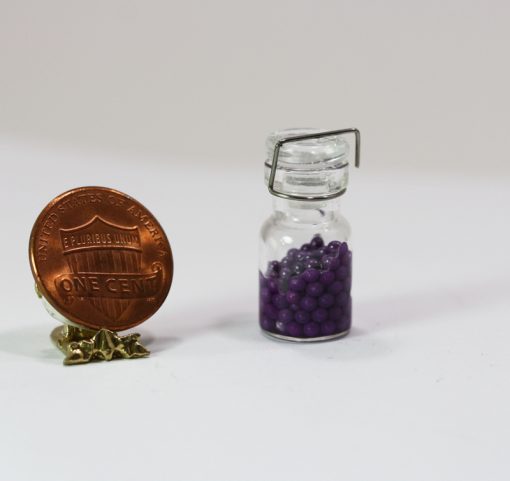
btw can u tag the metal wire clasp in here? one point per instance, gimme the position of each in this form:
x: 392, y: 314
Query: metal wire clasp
x: 318, y: 135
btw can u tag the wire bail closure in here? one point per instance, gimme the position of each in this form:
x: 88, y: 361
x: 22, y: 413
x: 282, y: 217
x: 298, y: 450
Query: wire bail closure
x: 297, y: 138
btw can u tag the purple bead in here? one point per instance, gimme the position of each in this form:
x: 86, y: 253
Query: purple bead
x: 336, y: 287
x: 285, y: 273
x: 315, y: 289
x: 270, y: 311
x: 280, y: 326
x: 343, y: 248
x: 317, y: 242
x: 311, y: 329
x: 302, y: 317
x: 342, y: 299
x: 342, y: 272
x: 327, y: 278
x: 272, y: 285
x: 344, y: 323
x: 295, y: 307
x: 285, y: 315
x: 333, y: 246
x: 265, y: 294
x: 320, y: 315
x: 308, y: 304
x: 346, y: 259
x: 279, y: 301
x: 312, y: 264
x: 298, y: 268
x: 331, y: 263
x: 294, y: 329
x: 267, y: 324
x: 335, y: 313
x: 347, y: 284
x: 297, y: 284
x: 326, y: 300
x: 311, y: 275
x: 328, y: 328
x: 306, y: 248
x: 292, y: 253
x: 293, y: 297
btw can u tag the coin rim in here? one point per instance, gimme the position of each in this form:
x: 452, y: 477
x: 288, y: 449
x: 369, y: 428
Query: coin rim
x: 38, y: 280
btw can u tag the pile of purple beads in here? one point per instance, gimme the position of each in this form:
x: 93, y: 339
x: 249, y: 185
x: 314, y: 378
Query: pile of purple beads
x: 308, y: 293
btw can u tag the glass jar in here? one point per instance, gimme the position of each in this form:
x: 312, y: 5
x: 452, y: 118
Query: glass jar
x: 305, y: 266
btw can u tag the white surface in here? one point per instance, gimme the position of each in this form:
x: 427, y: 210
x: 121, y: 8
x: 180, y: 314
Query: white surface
x: 420, y: 390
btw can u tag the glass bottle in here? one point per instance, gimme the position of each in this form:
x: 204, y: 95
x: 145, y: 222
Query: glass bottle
x: 305, y: 268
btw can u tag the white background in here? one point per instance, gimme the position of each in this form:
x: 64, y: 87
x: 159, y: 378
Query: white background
x: 170, y: 102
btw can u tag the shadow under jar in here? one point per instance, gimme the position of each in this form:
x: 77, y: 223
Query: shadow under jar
x: 305, y: 270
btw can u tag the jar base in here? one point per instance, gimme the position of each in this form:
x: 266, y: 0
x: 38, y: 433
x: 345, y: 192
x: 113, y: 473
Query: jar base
x: 281, y: 337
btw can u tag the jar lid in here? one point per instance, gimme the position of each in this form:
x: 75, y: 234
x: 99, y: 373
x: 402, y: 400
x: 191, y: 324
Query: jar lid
x: 312, y: 164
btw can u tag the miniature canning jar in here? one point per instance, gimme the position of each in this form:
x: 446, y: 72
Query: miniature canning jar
x: 305, y: 269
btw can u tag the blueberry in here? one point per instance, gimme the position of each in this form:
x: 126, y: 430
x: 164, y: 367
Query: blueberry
x: 302, y: 317
x: 279, y: 301
x: 300, y: 256
x: 311, y: 329
x: 328, y: 328
x: 293, y: 297
x: 273, y: 267
x: 292, y: 253
x: 336, y: 287
x: 320, y: 315
x: 298, y: 268
x: 297, y: 284
x: 327, y: 278
x: 308, y: 304
x: 315, y: 289
x: 306, y: 248
x: 326, y: 300
x: 317, y: 242
x: 287, y: 262
x: 311, y: 275
x: 285, y: 315
x: 294, y: 329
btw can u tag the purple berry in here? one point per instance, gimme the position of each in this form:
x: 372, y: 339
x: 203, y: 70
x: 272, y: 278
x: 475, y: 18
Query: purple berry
x: 270, y: 311
x: 311, y: 329
x: 306, y: 248
x: 267, y: 324
x: 315, y: 289
x: 311, y: 275
x: 326, y: 300
x: 343, y: 248
x: 308, y: 304
x: 335, y: 313
x: 294, y: 307
x: 285, y: 315
x: 333, y: 247
x: 312, y: 264
x: 327, y: 278
x: 342, y: 298
x: 320, y: 315
x: 344, y: 323
x: 279, y: 301
x: 331, y: 263
x: 280, y: 326
x: 298, y: 268
x: 292, y: 253
x: 272, y: 285
x: 328, y: 328
x: 285, y: 273
x: 336, y: 287
x: 302, y: 317
x: 294, y: 329
x: 317, y: 242
x: 342, y: 272
x: 293, y: 297
x: 297, y: 284
x: 265, y: 294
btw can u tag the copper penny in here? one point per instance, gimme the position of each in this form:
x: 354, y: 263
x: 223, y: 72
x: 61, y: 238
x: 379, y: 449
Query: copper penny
x: 100, y: 258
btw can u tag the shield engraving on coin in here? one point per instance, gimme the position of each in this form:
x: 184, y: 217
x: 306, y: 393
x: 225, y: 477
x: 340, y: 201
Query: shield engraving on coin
x: 99, y: 248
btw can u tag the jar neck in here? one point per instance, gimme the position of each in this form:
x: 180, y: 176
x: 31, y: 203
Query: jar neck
x: 306, y: 212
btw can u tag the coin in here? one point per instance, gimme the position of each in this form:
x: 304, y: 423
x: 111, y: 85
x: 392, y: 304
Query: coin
x: 100, y: 259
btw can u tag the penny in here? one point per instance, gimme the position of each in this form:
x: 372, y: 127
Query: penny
x: 100, y: 259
